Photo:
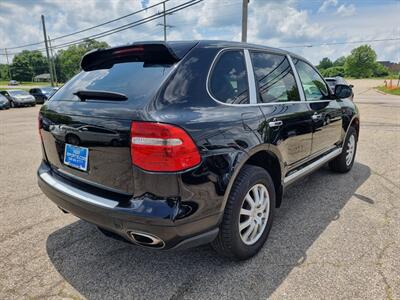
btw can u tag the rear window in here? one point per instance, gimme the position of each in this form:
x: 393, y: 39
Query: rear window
x: 137, y: 80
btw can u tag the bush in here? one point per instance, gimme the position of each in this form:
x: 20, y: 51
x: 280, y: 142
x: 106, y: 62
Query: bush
x: 380, y: 70
x: 333, y: 71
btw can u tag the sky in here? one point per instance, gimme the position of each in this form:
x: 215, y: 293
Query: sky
x: 290, y: 24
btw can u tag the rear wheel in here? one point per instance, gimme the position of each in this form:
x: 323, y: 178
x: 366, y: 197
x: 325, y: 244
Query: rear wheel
x: 344, y: 162
x: 248, y: 214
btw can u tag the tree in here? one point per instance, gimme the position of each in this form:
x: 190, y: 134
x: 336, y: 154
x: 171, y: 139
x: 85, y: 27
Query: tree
x: 21, y: 69
x: 4, y: 72
x: 339, y: 62
x: 361, y: 62
x: 68, y: 61
x: 27, y: 64
x: 325, y: 63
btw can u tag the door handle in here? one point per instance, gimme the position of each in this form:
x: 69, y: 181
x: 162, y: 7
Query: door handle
x: 275, y: 123
x: 316, y: 117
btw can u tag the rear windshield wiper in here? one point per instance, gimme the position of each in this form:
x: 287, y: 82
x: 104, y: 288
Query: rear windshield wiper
x: 100, y: 95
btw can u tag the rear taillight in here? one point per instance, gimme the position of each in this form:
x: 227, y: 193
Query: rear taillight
x: 162, y: 147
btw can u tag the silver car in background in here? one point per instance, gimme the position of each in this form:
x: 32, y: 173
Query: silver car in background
x: 19, y: 98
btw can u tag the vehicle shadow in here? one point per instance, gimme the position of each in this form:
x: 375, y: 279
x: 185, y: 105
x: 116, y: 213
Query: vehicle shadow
x: 99, y: 267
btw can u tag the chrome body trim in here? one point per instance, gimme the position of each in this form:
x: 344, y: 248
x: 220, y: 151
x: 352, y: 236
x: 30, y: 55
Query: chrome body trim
x: 76, y: 193
x: 250, y: 77
x: 311, y: 167
x: 255, y: 104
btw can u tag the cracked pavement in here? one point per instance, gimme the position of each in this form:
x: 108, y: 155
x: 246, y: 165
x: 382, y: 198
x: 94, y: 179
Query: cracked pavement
x: 335, y: 237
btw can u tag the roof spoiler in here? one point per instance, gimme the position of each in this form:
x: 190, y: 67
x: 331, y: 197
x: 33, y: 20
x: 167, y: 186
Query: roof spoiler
x: 154, y: 53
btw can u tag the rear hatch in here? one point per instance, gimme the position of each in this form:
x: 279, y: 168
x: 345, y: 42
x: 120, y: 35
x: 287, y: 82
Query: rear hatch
x: 85, y: 126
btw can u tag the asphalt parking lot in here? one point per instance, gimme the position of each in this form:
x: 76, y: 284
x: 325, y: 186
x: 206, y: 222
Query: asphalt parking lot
x: 336, y: 236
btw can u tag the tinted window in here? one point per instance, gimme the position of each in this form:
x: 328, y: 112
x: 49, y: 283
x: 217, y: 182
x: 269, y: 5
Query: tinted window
x: 274, y: 77
x: 137, y: 80
x: 313, y: 85
x: 228, y: 81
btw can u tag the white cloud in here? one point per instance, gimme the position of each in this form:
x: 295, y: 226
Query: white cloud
x: 346, y: 10
x: 282, y: 20
x: 273, y: 23
x: 326, y: 4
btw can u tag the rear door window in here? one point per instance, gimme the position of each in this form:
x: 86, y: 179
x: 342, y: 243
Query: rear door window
x: 275, y: 81
x: 137, y: 80
x: 228, y: 82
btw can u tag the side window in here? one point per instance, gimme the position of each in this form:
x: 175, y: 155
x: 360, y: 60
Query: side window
x: 313, y: 85
x: 228, y: 82
x: 274, y: 77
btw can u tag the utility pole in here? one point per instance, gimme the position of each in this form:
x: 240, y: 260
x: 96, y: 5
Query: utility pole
x: 165, y: 23
x: 53, y: 61
x: 8, y: 64
x: 244, y: 20
x: 47, y: 51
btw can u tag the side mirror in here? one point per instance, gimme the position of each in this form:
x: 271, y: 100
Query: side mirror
x: 343, y: 91
x: 351, y: 86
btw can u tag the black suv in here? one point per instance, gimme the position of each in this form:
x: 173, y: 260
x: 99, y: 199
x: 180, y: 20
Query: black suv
x: 208, y: 135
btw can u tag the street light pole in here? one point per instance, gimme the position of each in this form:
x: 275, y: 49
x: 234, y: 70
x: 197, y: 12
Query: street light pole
x: 244, y: 20
x: 47, y: 51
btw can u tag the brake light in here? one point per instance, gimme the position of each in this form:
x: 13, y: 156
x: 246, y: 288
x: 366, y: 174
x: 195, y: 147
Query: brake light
x: 128, y: 51
x: 162, y: 147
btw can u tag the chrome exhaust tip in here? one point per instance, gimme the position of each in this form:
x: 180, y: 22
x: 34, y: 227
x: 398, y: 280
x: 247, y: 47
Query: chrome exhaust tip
x: 146, y: 240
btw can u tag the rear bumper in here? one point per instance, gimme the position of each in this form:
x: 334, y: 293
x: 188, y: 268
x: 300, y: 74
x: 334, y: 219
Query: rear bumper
x: 24, y: 103
x: 143, y: 215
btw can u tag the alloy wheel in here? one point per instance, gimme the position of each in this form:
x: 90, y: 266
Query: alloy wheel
x: 351, y: 144
x: 254, y: 214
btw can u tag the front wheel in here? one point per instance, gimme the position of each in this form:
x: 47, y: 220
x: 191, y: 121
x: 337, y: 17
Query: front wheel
x: 248, y: 214
x: 344, y: 162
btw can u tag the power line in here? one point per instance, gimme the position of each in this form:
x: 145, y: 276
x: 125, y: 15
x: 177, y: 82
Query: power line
x: 132, y: 24
x: 90, y: 28
x: 341, y: 43
x: 123, y: 27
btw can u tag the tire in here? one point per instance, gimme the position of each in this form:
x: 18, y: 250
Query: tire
x: 230, y: 241
x: 343, y: 163
x: 12, y: 104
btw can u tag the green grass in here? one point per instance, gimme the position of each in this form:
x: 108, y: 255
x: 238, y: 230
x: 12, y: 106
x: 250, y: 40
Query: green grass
x: 395, y: 91
x: 5, y: 82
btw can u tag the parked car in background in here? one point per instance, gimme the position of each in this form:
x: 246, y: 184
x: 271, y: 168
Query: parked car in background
x: 334, y: 81
x: 19, y: 98
x: 4, y: 103
x: 13, y: 82
x: 210, y: 134
x: 42, y: 94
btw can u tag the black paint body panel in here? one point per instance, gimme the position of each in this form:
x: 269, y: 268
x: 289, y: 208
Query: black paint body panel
x: 226, y: 136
